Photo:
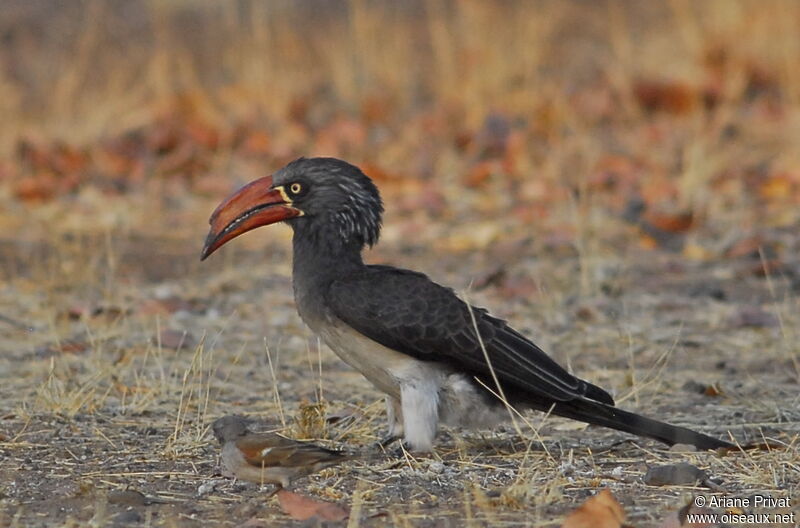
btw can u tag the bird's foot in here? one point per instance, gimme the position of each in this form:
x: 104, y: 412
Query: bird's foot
x: 386, y: 441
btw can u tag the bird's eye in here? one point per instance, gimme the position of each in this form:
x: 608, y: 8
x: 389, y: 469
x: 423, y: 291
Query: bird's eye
x: 295, y: 188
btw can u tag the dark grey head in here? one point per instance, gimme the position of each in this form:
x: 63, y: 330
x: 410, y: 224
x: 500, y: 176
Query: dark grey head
x: 335, y: 197
x: 230, y: 428
x: 333, y: 207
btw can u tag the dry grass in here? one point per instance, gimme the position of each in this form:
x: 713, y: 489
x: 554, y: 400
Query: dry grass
x: 119, y: 347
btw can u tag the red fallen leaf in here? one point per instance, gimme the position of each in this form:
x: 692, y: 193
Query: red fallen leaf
x: 256, y: 142
x: 162, y: 136
x: 668, y: 96
x: 659, y: 229
x: 68, y: 159
x: 600, y: 511
x: 463, y: 139
x: 482, y: 171
x: 74, y: 347
x: 203, y: 134
x: 300, y: 507
x: 376, y: 172
x: 38, y: 188
x: 376, y: 109
x: 298, y: 108
x: 672, y: 223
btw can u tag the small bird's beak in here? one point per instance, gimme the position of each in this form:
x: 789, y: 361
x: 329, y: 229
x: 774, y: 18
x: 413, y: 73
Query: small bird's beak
x: 254, y: 205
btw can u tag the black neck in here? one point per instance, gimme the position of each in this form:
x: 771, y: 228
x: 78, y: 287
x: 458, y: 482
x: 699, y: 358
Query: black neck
x: 320, y: 256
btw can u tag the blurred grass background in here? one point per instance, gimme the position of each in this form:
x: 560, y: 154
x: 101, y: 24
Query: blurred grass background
x: 688, y: 106
x: 527, y: 151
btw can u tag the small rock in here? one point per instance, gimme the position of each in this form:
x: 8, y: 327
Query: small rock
x: 127, y: 497
x: 128, y: 517
x: 207, y: 487
x: 674, y: 475
x: 683, y: 448
x: 436, y: 467
x: 694, y: 386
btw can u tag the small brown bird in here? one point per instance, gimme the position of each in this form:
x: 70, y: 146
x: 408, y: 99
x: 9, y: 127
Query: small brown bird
x: 268, y: 458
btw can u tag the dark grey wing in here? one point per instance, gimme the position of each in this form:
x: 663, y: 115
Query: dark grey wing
x: 408, y: 312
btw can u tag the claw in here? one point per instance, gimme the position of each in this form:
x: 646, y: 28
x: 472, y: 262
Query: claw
x: 387, y: 440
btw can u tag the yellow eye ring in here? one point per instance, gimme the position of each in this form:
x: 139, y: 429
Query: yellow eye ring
x: 295, y: 188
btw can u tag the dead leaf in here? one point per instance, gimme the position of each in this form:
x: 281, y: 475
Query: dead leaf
x: 671, y: 97
x: 301, y: 507
x: 600, y: 511
x: 39, y: 188
x: 257, y: 142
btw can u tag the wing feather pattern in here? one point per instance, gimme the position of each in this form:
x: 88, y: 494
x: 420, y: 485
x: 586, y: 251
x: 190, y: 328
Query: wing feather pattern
x: 406, y: 311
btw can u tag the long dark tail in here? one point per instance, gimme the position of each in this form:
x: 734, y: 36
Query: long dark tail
x: 598, y: 413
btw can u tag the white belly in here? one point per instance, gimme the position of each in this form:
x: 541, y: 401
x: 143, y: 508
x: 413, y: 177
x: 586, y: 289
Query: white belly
x: 455, y: 398
x: 382, y: 366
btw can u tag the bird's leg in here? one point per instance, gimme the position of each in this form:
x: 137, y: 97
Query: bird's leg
x: 278, y: 487
x: 420, y: 405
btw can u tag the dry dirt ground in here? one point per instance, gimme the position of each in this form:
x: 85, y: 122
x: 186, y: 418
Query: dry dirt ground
x: 512, y: 141
x: 119, y: 350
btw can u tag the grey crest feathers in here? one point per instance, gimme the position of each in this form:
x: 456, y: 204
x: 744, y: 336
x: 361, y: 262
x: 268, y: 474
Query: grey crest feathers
x: 340, y: 197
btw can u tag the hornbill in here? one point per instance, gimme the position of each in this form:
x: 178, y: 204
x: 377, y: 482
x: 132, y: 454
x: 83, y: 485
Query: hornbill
x: 436, y: 358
